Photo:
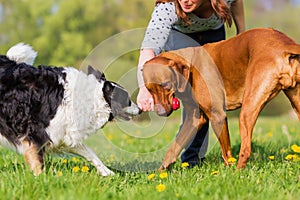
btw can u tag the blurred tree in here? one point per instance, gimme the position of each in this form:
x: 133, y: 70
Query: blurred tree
x: 22, y: 20
x: 65, y: 31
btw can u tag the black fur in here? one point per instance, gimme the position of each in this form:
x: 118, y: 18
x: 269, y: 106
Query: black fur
x: 29, y: 98
x: 114, y: 94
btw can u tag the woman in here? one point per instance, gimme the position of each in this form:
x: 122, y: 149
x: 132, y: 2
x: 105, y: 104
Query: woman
x: 184, y: 23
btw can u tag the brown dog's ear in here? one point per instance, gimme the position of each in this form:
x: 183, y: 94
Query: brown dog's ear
x: 182, y: 72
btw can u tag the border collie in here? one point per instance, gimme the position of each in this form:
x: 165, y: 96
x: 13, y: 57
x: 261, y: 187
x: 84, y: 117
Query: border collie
x: 44, y: 109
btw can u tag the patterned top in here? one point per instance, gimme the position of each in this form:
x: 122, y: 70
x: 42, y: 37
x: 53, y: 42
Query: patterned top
x: 164, y: 18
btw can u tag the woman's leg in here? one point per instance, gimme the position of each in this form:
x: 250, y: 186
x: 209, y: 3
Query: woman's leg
x: 196, y: 149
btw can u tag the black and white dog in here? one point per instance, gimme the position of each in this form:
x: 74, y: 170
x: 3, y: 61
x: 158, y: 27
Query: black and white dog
x: 54, y: 108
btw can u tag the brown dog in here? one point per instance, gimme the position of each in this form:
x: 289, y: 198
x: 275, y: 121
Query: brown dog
x: 245, y: 71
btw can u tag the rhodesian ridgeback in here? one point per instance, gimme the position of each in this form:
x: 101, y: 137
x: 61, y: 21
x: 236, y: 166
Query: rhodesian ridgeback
x: 245, y: 71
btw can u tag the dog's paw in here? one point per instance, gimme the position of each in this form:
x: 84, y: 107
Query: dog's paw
x: 161, y: 169
x: 104, y: 171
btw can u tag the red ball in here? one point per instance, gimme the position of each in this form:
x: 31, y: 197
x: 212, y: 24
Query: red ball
x: 175, y: 103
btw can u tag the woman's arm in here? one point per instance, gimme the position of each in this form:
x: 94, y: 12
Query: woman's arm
x: 145, y: 55
x: 237, y: 10
x: 144, y: 98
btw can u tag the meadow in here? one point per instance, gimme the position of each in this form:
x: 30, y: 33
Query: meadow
x: 273, y: 171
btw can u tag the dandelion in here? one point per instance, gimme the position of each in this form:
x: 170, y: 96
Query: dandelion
x: 185, y: 164
x: 110, y: 137
x: 151, y: 176
x: 214, y: 173
x: 270, y: 134
x: 138, y: 132
x: 163, y: 175
x: 130, y: 141
x: 75, y: 169
x: 59, y: 173
x: 111, y: 157
x: 64, y: 161
x: 295, y: 148
x: 75, y: 160
x: 292, y: 157
x: 85, y: 169
x: 271, y: 157
x: 161, y: 187
x: 283, y: 150
x: 231, y: 160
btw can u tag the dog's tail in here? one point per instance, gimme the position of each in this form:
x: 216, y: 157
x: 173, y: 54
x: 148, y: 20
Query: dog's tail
x: 22, y: 53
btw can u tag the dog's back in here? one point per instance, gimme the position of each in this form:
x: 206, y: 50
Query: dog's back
x: 29, y: 96
x: 256, y: 51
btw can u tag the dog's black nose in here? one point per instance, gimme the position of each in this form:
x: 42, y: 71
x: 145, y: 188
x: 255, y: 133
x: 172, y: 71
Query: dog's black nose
x: 140, y: 111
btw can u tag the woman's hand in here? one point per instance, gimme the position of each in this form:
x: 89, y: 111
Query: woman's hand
x: 145, y: 99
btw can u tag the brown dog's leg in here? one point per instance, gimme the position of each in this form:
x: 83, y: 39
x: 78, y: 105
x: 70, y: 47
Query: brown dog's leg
x: 224, y: 141
x: 256, y: 95
x: 293, y: 96
x: 189, y: 128
x: 34, y: 157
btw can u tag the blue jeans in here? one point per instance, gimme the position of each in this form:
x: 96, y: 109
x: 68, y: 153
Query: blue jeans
x: 196, y: 149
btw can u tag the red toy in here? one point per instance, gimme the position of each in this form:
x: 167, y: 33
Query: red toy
x: 175, y: 103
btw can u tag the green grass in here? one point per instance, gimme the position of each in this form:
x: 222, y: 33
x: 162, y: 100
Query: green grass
x: 135, y: 156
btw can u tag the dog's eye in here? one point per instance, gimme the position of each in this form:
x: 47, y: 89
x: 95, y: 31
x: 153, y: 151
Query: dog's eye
x: 166, y: 85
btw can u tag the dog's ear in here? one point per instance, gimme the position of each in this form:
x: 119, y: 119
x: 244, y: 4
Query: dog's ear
x: 99, y: 75
x: 182, y: 71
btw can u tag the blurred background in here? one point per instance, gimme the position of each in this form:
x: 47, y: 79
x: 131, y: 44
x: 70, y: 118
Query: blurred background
x: 64, y: 32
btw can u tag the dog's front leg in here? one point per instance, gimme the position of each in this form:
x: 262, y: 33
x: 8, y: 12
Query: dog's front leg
x: 224, y: 141
x: 193, y: 122
x: 89, y: 155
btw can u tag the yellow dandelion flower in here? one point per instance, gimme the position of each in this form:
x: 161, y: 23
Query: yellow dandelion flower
x: 232, y: 160
x: 214, y: 173
x: 74, y: 159
x: 289, y: 157
x: 110, y: 136
x: 85, y: 169
x: 271, y: 157
x: 64, y: 161
x: 161, y: 187
x: 283, y: 150
x: 112, y: 157
x: 59, y: 173
x: 151, y: 176
x: 75, y: 169
x: 163, y: 175
x: 270, y: 134
x: 138, y: 132
x: 185, y: 164
x: 292, y: 157
x: 295, y: 148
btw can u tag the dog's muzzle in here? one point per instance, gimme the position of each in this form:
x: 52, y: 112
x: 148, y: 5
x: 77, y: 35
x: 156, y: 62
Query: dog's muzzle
x: 133, y: 110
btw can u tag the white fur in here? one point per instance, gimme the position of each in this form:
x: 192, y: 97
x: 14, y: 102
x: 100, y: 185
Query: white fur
x: 5, y: 143
x: 82, y: 112
x: 22, y: 53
